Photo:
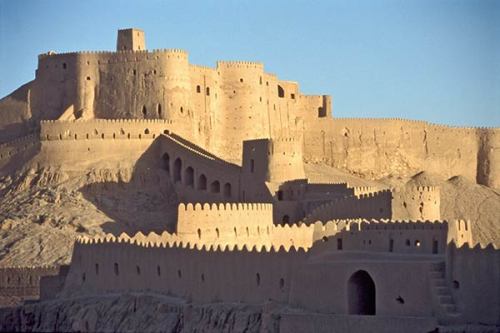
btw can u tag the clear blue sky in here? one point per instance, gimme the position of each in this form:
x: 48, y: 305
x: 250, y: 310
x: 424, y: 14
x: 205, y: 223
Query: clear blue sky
x: 432, y: 60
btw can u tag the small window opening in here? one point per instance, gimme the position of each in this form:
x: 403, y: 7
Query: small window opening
x: 292, y: 96
x: 400, y: 300
x: 280, y: 195
x: 179, y: 274
x: 408, y: 242
x: 117, y: 271
x: 252, y: 165
x: 282, y: 283
x: 158, y: 270
x: 208, y: 91
x: 281, y: 91
x: 84, y: 277
x: 202, y: 277
x: 456, y: 284
x: 159, y: 110
x: 96, y: 269
x: 257, y: 277
x: 321, y: 112
x: 88, y: 78
x: 339, y: 244
x: 199, y: 233
x: 138, y: 270
x: 64, y: 65
x: 241, y: 79
x: 144, y: 111
x: 391, y: 245
x: 198, y: 89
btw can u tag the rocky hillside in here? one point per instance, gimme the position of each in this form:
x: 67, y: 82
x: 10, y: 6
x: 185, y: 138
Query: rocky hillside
x: 43, y: 210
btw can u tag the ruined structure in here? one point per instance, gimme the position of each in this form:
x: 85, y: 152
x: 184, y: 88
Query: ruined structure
x: 249, y: 225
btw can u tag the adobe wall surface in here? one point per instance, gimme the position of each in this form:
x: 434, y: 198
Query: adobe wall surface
x: 375, y: 148
x: 198, y: 275
x: 23, y: 281
x: 369, y: 206
x: 330, y: 280
x: 473, y: 274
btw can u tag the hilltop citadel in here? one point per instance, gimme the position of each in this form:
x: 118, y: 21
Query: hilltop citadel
x: 247, y: 221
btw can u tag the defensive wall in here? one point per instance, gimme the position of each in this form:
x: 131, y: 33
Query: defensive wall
x: 204, y: 274
x: 197, y: 174
x: 23, y: 281
x: 406, y: 237
x: 252, y: 274
x: 472, y: 272
x: 369, y: 206
x: 375, y: 148
x: 413, y: 203
x: 24, y: 146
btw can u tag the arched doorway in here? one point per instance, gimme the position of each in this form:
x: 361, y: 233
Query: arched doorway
x: 361, y: 294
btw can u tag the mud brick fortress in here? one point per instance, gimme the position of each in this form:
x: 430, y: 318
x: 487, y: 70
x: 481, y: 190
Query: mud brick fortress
x: 249, y: 225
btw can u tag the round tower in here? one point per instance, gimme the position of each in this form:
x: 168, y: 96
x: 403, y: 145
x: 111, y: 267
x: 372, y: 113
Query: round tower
x: 242, y: 114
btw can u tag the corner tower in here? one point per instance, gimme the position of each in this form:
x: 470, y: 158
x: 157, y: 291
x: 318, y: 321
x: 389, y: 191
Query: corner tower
x: 130, y: 40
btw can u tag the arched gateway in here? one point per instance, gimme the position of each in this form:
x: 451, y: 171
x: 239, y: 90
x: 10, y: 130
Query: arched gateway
x: 361, y: 294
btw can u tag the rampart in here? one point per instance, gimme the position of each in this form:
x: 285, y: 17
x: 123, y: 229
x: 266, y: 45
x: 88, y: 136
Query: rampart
x: 249, y: 224
x: 472, y: 273
x: 375, y: 148
x: 104, y: 129
x: 203, y: 274
x: 12, y: 148
x: 23, y: 281
x: 408, y: 237
x: 369, y: 206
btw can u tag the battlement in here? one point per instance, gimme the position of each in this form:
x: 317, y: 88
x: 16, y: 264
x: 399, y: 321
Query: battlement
x: 19, y: 145
x: 240, y: 64
x: 429, y: 189
x: 419, y: 122
x: 225, y: 207
x: 177, y: 52
x: 151, y: 242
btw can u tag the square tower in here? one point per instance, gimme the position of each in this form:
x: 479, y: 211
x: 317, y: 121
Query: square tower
x: 130, y: 40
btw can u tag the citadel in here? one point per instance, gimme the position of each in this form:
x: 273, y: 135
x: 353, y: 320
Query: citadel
x: 250, y: 222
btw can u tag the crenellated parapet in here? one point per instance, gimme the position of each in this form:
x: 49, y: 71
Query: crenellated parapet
x: 14, y: 147
x: 104, y: 129
x: 371, y: 205
x: 240, y: 64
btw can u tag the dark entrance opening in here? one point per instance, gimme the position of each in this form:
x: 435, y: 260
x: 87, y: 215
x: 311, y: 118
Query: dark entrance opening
x: 361, y: 294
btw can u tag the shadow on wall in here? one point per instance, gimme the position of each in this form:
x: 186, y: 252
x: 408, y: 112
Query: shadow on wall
x: 144, y: 200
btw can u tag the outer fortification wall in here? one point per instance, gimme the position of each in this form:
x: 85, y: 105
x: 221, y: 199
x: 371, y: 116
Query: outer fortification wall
x: 197, y: 174
x: 23, y: 281
x: 24, y: 146
x: 249, y: 224
x: 368, y: 206
x: 205, y: 275
x: 473, y: 272
x: 375, y: 148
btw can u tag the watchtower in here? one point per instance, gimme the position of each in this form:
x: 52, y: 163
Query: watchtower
x: 130, y: 40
